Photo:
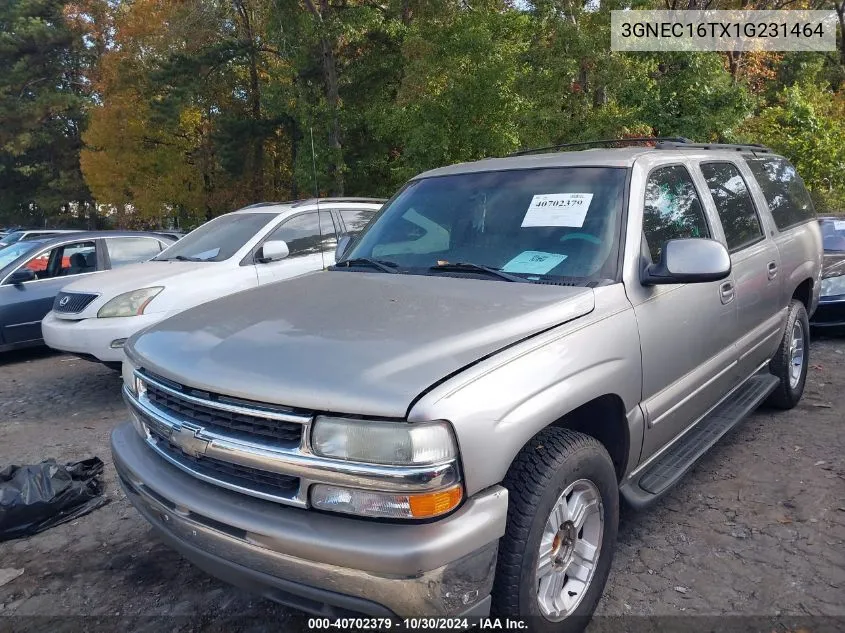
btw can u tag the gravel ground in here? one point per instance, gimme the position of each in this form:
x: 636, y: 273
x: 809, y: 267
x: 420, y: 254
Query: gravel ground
x: 756, y: 529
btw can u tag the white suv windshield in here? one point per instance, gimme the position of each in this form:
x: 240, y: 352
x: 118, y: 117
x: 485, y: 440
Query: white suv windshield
x: 217, y: 239
x: 533, y: 223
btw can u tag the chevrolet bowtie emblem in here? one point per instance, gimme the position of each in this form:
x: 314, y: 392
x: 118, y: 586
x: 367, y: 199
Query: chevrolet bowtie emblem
x: 187, y: 440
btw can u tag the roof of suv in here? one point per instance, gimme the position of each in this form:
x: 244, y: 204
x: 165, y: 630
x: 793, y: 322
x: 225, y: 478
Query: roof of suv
x: 603, y: 157
x: 279, y: 207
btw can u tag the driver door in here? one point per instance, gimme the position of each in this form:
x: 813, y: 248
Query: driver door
x: 687, y: 331
x: 22, y: 306
x: 311, y: 241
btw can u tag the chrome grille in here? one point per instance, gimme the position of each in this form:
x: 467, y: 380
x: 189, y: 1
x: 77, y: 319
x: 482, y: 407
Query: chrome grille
x: 72, y: 302
x: 258, y: 480
x: 240, y: 421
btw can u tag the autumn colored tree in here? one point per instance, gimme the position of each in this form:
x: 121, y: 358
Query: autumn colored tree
x: 197, y: 107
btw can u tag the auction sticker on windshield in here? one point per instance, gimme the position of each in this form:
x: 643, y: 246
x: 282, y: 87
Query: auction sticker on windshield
x: 558, y: 209
x: 533, y: 262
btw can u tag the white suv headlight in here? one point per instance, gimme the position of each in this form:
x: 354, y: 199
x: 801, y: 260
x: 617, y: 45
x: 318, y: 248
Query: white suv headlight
x: 833, y: 286
x: 377, y: 442
x: 129, y: 303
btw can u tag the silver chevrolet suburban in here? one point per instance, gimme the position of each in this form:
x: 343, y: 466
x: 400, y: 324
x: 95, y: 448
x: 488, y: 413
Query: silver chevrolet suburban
x: 443, y: 423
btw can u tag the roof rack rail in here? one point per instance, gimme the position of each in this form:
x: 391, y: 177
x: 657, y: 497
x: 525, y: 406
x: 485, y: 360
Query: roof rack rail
x: 300, y: 203
x: 606, y: 142
x: 660, y: 142
x: 265, y: 204
x: 747, y: 147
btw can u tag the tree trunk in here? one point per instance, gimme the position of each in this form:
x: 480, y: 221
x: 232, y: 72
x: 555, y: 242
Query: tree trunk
x: 336, y: 165
x: 333, y: 99
x: 254, y: 102
x: 840, y: 12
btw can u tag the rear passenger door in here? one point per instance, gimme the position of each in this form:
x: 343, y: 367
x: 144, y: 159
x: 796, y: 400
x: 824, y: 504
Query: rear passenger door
x: 131, y: 250
x: 687, y: 331
x: 755, y: 262
x: 795, y: 232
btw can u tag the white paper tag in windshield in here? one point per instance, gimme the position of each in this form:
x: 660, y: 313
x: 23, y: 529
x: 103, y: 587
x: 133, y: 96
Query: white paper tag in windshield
x: 839, y: 225
x: 533, y: 262
x: 558, y: 209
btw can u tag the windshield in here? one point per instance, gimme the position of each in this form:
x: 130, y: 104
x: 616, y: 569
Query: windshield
x: 833, y: 234
x: 534, y: 223
x: 217, y: 239
x: 12, y: 252
x: 11, y: 238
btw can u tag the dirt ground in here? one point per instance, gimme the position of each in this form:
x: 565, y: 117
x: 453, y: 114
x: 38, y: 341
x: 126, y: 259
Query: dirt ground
x: 757, y: 528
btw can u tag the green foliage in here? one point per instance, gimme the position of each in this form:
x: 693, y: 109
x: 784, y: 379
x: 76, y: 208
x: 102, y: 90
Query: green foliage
x: 460, y: 97
x: 807, y: 124
x: 688, y: 95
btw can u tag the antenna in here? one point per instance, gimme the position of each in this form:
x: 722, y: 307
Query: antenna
x: 320, y: 231
x: 314, y: 163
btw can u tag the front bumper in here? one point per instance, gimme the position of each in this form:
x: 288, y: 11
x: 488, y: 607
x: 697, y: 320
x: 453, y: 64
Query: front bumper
x: 93, y: 336
x: 830, y: 313
x: 319, y: 562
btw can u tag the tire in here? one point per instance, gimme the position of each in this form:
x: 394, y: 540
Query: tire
x: 554, y: 461
x: 790, y: 390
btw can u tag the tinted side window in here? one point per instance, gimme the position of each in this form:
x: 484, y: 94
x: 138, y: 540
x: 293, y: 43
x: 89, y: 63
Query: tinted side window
x: 62, y: 261
x: 734, y: 204
x: 783, y: 189
x: 305, y: 235
x: 355, y: 219
x: 129, y: 250
x: 672, y: 209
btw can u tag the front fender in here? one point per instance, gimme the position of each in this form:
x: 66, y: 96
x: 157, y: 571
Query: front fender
x: 498, y: 405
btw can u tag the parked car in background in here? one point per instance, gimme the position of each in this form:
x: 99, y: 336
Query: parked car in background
x: 31, y: 234
x: 33, y: 271
x: 254, y: 246
x: 442, y: 423
x: 831, y: 310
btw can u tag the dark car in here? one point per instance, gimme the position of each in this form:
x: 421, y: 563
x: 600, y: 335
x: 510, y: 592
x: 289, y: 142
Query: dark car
x: 831, y: 310
x: 33, y: 271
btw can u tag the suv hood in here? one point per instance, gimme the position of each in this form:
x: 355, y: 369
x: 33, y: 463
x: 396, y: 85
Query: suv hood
x: 349, y: 342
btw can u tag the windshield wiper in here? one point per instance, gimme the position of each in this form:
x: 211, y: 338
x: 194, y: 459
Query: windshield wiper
x: 180, y: 258
x: 380, y: 264
x: 466, y: 267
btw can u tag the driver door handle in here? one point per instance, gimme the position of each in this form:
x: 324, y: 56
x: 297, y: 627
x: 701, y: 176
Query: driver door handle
x: 726, y: 292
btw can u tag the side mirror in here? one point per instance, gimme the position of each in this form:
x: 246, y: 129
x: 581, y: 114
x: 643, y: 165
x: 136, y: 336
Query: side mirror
x: 689, y: 261
x: 22, y: 275
x: 273, y: 251
x: 342, y: 244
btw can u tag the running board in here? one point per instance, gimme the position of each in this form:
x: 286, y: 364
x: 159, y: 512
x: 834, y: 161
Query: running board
x: 667, y: 470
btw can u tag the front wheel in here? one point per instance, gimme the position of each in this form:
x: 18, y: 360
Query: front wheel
x: 790, y: 362
x: 563, y: 516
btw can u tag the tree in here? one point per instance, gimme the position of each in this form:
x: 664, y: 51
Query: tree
x: 44, y: 93
x: 807, y: 125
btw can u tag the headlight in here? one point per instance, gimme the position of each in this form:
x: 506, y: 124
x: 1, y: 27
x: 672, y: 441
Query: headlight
x: 833, y: 286
x: 386, y: 505
x: 129, y: 303
x: 129, y: 379
x: 376, y: 442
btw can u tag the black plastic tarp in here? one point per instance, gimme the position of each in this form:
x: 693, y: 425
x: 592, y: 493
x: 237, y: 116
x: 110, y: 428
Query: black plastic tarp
x: 36, y: 497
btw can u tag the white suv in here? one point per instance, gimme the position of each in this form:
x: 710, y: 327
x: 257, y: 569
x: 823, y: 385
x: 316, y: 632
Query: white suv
x: 256, y: 245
